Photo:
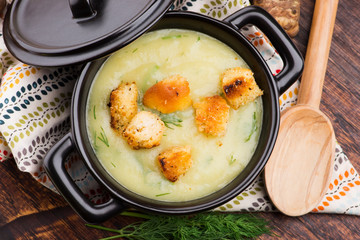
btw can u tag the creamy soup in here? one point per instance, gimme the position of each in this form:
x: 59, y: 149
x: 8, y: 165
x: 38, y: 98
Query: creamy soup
x: 216, y: 160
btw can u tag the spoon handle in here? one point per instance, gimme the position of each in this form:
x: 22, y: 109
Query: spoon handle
x: 317, y: 52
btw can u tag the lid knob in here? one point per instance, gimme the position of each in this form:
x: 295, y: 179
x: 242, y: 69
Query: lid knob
x: 82, y: 9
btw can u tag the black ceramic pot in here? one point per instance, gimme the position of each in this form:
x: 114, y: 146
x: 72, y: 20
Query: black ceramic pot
x: 227, y: 32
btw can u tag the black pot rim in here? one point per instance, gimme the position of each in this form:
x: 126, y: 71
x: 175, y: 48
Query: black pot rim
x: 228, y: 33
x: 152, y: 205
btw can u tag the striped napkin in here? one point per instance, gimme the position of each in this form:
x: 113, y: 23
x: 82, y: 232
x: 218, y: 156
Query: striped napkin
x: 35, y: 109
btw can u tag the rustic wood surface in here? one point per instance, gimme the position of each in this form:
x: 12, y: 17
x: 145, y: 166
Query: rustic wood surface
x: 30, y: 211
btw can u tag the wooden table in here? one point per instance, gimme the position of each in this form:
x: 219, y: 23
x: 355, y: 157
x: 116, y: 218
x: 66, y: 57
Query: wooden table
x: 30, y: 211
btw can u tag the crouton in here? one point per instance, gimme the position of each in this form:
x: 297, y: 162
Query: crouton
x: 175, y: 162
x: 239, y: 86
x: 123, y: 106
x: 169, y: 95
x: 144, y: 131
x: 212, y: 115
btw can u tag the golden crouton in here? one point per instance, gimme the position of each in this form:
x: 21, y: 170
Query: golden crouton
x: 175, y: 162
x: 169, y: 95
x: 212, y: 115
x: 123, y: 105
x: 144, y: 131
x: 239, y: 86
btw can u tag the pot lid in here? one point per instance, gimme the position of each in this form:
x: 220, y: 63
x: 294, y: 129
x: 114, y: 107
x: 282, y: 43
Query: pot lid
x: 64, y: 32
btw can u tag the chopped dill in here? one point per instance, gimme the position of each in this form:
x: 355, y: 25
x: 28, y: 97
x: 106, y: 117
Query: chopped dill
x: 201, y: 226
x: 171, y: 37
x: 141, y: 106
x: 162, y: 194
x: 253, y: 127
x: 113, y: 164
x: 94, y: 111
x: 103, y: 137
x: 198, y: 39
x: 135, y: 50
x: 232, y: 159
x: 170, y: 119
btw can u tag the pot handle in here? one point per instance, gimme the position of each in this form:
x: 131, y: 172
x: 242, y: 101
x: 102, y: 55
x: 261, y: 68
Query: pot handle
x: 293, y: 60
x: 54, y: 164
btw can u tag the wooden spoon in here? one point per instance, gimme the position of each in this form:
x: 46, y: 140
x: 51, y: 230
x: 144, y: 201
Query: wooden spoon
x: 299, y: 170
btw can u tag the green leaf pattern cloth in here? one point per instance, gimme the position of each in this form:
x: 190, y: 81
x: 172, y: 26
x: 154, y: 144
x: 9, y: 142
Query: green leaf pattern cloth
x: 35, y: 108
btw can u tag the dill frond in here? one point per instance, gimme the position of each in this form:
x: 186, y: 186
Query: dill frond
x: 202, y: 226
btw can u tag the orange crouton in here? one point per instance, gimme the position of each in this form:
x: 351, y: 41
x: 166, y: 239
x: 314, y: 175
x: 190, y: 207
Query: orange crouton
x: 169, y: 95
x: 123, y: 105
x: 175, y: 162
x: 239, y: 86
x: 212, y: 115
x: 144, y: 131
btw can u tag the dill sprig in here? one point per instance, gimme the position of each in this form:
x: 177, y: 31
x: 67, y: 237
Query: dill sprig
x: 253, y: 127
x: 202, y: 226
x: 170, y: 119
x: 103, y: 137
x: 162, y: 194
x: 171, y: 37
x: 231, y: 159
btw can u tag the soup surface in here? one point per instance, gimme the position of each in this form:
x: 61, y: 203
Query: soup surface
x: 216, y: 160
